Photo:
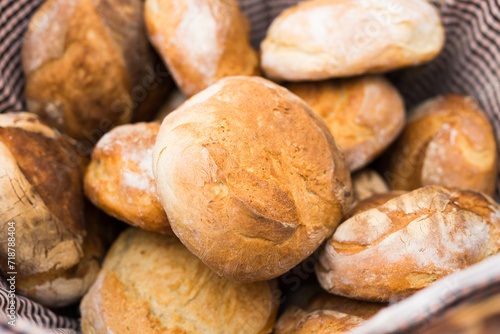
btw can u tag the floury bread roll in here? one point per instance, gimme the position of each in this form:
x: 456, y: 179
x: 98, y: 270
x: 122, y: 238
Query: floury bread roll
x: 150, y: 283
x: 119, y: 178
x: 89, y: 66
x: 298, y: 321
x: 41, y: 204
x: 201, y: 41
x: 250, y: 177
x: 323, y: 39
x: 448, y: 141
x: 363, y: 114
x: 358, y: 308
x: 409, y: 242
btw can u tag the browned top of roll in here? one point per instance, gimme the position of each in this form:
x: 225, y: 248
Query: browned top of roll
x: 41, y: 191
x: 448, y: 141
x: 250, y: 177
x: 363, y: 114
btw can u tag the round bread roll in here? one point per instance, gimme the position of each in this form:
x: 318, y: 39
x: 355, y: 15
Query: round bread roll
x: 41, y: 204
x: 358, y: 308
x: 119, y: 178
x: 324, y: 39
x: 409, y: 242
x: 363, y: 114
x: 150, y: 283
x: 448, y: 141
x: 366, y: 183
x: 201, y: 41
x: 88, y: 66
x: 250, y: 177
x: 298, y: 321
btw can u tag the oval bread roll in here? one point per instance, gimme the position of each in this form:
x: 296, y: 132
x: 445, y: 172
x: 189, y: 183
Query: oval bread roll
x: 201, y: 41
x: 358, y: 308
x: 448, y: 141
x: 363, y: 114
x: 409, y: 242
x: 119, y: 178
x: 323, y: 39
x: 250, y: 177
x: 150, y: 283
x: 41, y: 202
x: 89, y: 66
x: 299, y: 321
x: 366, y: 183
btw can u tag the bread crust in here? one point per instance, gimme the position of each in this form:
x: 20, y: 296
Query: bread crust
x: 120, y: 181
x: 298, y: 321
x: 41, y: 193
x: 150, y: 283
x: 448, y: 141
x: 366, y: 183
x: 85, y: 61
x: 409, y: 242
x: 363, y: 114
x: 201, y: 41
x: 264, y: 179
x: 323, y: 39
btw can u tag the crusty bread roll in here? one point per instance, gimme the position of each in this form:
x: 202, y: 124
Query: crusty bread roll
x: 298, y: 321
x: 409, y: 242
x: 366, y: 183
x: 120, y: 181
x: 62, y: 288
x: 358, y: 308
x: 363, y: 114
x: 88, y: 66
x: 41, y: 202
x: 324, y: 39
x: 250, y: 177
x: 448, y: 141
x: 150, y: 283
x: 201, y: 41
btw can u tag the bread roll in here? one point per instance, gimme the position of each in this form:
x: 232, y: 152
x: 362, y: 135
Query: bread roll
x: 358, y: 308
x: 201, y: 41
x: 448, y: 141
x: 409, y: 242
x: 366, y: 183
x: 250, y: 177
x: 324, y: 39
x: 150, y: 283
x: 120, y: 181
x: 88, y: 66
x: 298, y: 321
x: 62, y: 288
x: 41, y: 202
x: 372, y: 202
x: 363, y: 114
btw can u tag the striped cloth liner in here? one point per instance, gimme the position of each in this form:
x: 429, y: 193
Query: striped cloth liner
x: 469, y: 64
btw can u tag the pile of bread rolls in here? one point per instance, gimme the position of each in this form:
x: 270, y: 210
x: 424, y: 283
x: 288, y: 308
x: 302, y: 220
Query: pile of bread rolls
x: 250, y: 166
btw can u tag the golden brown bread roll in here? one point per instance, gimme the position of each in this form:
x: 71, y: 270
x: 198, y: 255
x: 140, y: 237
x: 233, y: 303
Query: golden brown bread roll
x: 119, y: 178
x: 366, y: 183
x: 358, y: 308
x: 201, y: 41
x: 409, y: 242
x: 88, y: 66
x: 41, y: 198
x: 324, y: 39
x: 363, y: 114
x: 150, y: 283
x: 299, y: 321
x: 448, y: 141
x: 250, y: 177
